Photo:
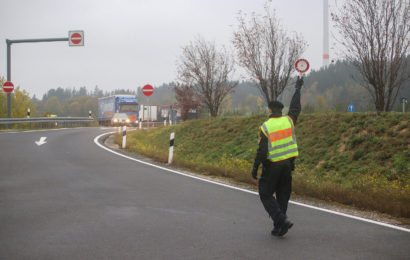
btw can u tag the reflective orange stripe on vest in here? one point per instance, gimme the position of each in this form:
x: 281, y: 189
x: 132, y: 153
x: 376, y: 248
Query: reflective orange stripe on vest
x: 281, y: 134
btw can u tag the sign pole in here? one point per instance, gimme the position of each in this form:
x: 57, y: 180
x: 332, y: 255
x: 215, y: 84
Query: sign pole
x: 75, y: 41
x: 148, y: 90
x: 149, y: 112
x: 8, y: 78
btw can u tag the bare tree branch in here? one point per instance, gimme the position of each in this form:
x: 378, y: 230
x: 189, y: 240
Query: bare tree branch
x: 186, y: 98
x: 267, y: 52
x: 207, y: 70
x: 375, y: 36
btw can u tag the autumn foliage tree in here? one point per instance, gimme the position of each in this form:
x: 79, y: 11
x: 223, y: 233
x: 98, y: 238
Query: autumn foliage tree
x: 207, y: 70
x: 185, y: 96
x: 267, y: 52
x: 375, y: 37
x: 20, y: 102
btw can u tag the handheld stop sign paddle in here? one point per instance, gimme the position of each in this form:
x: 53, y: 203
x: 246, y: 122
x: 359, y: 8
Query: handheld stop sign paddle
x: 302, y: 66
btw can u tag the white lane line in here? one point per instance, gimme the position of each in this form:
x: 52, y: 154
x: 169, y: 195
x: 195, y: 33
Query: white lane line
x: 245, y: 190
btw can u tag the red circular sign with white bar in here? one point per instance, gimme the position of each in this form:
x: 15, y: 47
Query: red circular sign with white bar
x: 302, y: 65
x: 148, y: 90
x: 76, y: 38
x: 8, y: 87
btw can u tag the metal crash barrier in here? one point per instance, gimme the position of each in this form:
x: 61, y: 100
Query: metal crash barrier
x: 46, y: 122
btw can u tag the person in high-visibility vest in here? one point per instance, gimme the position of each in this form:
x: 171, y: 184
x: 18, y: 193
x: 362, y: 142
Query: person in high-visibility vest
x: 277, y: 151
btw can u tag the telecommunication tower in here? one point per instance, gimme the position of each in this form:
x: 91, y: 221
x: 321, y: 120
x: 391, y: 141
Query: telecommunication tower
x: 325, y: 32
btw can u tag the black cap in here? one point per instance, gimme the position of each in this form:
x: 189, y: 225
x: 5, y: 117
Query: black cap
x: 275, y: 105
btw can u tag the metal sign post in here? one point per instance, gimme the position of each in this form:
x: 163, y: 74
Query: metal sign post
x: 149, y: 112
x: 148, y: 90
x: 72, y: 41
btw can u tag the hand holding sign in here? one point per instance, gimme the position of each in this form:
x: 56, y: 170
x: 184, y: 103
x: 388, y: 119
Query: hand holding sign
x: 302, y: 66
x: 299, y: 83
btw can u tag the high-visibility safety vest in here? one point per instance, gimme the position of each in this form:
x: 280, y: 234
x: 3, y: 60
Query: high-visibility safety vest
x: 281, y: 136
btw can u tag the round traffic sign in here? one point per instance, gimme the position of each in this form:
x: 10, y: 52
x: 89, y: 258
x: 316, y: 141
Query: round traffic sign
x: 8, y: 87
x: 302, y: 65
x: 76, y: 38
x: 147, y: 90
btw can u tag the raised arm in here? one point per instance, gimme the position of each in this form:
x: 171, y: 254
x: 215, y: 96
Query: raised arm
x: 295, y: 106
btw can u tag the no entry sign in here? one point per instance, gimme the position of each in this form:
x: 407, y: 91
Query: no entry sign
x: 8, y: 87
x: 302, y: 65
x: 148, y: 90
x: 76, y: 38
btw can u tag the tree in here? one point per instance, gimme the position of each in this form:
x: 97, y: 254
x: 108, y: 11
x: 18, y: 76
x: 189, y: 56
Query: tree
x: 227, y: 106
x: 53, y: 106
x: 185, y: 97
x: 20, y: 102
x: 97, y: 93
x: 375, y: 37
x: 267, y: 52
x: 208, y: 71
x: 321, y: 104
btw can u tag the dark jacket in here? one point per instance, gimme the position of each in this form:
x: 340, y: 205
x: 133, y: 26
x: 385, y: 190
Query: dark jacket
x: 262, y: 153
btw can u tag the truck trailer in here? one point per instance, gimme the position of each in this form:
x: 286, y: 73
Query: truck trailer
x: 148, y: 113
x: 118, y: 110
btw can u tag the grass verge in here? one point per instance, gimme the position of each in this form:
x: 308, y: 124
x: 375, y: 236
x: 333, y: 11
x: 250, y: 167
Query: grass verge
x: 356, y: 159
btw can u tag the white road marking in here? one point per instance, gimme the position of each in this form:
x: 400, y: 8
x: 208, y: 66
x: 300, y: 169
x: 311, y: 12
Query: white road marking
x: 245, y: 190
x: 41, y: 141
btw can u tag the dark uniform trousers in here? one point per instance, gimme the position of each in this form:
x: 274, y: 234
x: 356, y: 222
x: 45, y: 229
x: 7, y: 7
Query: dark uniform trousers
x: 276, y: 178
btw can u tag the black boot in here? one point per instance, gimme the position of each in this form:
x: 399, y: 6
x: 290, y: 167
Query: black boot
x: 275, y: 230
x: 284, y: 227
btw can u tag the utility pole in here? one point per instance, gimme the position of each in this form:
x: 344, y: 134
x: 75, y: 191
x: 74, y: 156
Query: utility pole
x: 325, y: 33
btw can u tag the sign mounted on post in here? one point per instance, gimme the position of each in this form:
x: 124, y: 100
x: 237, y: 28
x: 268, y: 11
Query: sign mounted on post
x: 148, y: 90
x: 8, y: 87
x: 76, y: 38
x: 302, y: 65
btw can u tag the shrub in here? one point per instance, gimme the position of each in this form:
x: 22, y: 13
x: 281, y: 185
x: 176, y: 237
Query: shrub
x: 355, y: 141
x: 402, y: 126
x: 400, y: 163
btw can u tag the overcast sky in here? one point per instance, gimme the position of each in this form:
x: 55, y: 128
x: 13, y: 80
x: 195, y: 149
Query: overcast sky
x: 129, y: 43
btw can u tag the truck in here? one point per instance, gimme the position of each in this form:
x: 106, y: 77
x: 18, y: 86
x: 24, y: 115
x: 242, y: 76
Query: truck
x: 148, y: 113
x: 118, y: 110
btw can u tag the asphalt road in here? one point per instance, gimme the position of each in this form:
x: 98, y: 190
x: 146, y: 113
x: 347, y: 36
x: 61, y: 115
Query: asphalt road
x: 71, y: 199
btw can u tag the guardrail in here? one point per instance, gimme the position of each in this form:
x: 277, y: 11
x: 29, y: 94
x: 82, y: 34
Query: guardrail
x: 47, y: 122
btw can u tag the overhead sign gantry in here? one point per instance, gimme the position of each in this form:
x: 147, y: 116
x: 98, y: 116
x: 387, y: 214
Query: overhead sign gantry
x: 75, y: 38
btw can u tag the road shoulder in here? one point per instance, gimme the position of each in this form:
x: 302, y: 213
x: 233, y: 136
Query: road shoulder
x: 109, y: 142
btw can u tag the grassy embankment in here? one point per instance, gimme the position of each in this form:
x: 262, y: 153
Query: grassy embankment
x: 356, y: 159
